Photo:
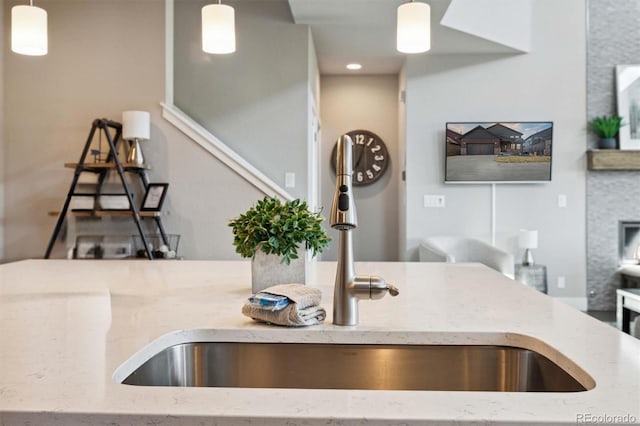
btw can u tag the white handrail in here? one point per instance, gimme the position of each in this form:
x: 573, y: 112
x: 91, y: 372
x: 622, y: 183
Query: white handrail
x: 222, y: 152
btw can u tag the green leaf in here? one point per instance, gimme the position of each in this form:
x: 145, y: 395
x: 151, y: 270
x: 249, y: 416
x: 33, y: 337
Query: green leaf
x: 279, y: 228
x: 606, y: 126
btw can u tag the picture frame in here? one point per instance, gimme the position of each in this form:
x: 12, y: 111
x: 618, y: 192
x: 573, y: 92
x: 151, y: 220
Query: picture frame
x: 628, y: 100
x: 154, y: 197
x: 629, y: 242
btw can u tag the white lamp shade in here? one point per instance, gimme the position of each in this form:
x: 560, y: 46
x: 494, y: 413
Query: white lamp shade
x: 29, y: 30
x: 414, y: 28
x: 218, y: 29
x: 136, y: 125
x: 528, y: 239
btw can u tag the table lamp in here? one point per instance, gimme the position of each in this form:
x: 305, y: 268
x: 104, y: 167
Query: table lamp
x: 528, y: 240
x: 135, y: 127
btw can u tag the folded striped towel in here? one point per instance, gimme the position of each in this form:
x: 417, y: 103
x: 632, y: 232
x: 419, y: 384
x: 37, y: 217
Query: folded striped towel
x: 303, y: 308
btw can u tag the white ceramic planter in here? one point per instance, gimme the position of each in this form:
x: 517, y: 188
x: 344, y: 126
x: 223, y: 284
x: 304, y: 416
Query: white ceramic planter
x: 266, y: 270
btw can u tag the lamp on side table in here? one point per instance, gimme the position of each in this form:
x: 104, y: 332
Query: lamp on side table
x: 136, y: 126
x: 528, y: 272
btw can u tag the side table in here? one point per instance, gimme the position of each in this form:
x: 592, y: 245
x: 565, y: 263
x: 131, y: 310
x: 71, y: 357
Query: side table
x: 630, y: 276
x: 628, y: 300
x: 533, y: 276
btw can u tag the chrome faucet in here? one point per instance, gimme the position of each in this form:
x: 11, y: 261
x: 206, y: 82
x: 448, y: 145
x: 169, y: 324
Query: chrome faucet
x: 349, y: 287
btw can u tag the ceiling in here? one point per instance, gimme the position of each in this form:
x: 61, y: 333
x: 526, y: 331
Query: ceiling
x: 364, y: 31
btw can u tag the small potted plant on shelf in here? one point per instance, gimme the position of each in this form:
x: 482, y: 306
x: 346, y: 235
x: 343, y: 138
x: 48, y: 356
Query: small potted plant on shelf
x: 606, y: 128
x: 275, y: 235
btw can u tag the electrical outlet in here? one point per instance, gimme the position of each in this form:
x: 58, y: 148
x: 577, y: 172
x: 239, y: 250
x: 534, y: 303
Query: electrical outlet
x: 562, y: 200
x: 561, y: 282
x: 434, y: 200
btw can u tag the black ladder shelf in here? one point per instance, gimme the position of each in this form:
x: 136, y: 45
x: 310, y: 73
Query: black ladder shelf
x: 102, y: 169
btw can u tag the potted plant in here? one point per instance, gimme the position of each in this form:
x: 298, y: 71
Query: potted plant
x: 274, y: 234
x: 606, y: 128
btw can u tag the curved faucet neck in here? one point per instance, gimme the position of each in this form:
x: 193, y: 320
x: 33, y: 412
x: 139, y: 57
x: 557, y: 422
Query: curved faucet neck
x: 349, y: 287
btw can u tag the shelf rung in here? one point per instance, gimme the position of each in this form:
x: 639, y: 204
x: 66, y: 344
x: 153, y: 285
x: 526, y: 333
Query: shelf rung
x: 120, y: 213
x: 103, y: 213
x: 110, y: 165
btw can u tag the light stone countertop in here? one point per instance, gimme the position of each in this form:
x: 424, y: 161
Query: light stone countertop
x: 66, y: 326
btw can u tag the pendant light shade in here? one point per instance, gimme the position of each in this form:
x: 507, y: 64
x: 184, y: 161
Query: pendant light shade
x: 414, y: 28
x: 218, y: 29
x: 29, y: 30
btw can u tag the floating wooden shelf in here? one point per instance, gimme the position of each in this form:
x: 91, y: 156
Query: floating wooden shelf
x: 613, y: 159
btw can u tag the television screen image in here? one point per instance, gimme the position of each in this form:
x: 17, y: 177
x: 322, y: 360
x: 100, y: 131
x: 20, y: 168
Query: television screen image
x: 498, y: 152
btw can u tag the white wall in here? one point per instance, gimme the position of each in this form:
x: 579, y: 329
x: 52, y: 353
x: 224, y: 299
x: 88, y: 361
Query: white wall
x: 313, y: 71
x: 402, y: 165
x: 370, y: 103
x: 2, y: 138
x: 313, y: 129
x: 547, y: 84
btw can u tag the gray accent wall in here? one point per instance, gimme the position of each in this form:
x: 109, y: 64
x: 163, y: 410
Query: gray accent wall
x: 256, y: 99
x: 613, y: 39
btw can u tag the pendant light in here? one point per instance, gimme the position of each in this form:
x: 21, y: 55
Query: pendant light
x: 414, y: 27
x: 29, y: 30
x: 218, y: 29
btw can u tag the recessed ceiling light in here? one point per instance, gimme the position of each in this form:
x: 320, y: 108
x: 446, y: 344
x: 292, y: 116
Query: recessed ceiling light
x: 354, y: 66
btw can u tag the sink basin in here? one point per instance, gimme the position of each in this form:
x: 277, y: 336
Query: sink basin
x: 349, y: 366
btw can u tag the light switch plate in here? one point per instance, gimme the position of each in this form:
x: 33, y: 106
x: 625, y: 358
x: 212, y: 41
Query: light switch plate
x: 289, y: 180
x: 562, y: 200
x: 561, y: 282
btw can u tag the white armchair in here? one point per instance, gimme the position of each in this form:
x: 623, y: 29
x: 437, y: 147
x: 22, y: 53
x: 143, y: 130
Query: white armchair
x: 461, y: 249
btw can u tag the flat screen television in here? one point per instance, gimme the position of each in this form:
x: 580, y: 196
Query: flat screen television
x: 498, y: 152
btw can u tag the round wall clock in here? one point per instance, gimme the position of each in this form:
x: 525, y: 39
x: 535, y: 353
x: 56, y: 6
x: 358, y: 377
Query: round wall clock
x: 370, y: 157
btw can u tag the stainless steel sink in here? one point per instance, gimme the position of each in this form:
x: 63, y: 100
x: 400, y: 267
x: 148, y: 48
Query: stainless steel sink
x: 347, y: 366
